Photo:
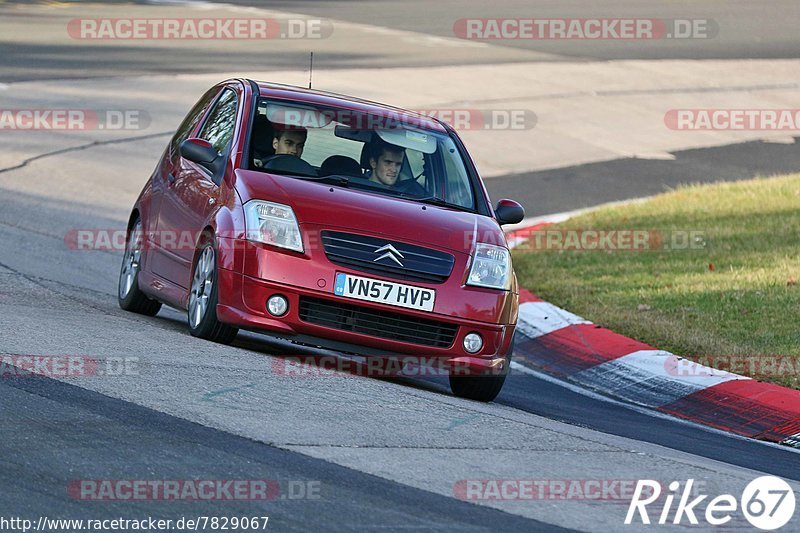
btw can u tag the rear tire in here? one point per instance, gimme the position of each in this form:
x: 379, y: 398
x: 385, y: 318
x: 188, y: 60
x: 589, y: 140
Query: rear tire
x: 129, y: 296
x: 202, y: 312
x: 482, y: 388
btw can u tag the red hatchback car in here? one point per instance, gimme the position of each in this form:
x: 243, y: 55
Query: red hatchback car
x: 329, y: 221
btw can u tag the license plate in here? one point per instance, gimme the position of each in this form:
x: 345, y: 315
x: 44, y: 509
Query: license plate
x: 387, y: 292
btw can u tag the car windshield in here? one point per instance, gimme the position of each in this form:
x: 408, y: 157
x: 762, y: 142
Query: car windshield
x: 384, y: 155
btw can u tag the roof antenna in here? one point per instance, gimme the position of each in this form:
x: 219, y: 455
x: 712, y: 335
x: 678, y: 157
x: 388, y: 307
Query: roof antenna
x: 310, y: 68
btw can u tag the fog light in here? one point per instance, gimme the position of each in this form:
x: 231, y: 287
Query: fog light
x: 473, y: 342
x: 277, y: 305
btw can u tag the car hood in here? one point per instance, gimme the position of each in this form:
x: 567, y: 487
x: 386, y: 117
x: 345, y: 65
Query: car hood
x: 331, y: 206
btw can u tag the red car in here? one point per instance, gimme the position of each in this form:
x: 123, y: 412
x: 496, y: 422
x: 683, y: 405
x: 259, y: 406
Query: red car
x: 330, y: 221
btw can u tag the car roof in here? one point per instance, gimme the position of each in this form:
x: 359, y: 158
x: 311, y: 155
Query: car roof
x: 328, y: 99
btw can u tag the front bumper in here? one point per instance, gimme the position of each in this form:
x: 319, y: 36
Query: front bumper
x: 243, y: 296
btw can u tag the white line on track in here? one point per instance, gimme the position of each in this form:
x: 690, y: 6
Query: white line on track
x: 653, y: 378
x: 641, y: 410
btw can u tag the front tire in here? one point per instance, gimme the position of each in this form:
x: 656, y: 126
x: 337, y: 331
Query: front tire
x: 482, y: 388
x: 202, y: 312
x: 129, y: 296
x: 478, y: 388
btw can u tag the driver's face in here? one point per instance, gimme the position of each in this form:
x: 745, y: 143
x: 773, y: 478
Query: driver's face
x: 290, y: 143
x: 387, y: 167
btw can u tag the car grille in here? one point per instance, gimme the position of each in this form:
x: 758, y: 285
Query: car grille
x: 381, y: 324
x: 358, y: 252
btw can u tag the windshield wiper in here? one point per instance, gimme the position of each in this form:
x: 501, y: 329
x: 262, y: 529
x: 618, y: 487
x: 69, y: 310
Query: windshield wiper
x: 434, y: 200
x: 336, y: 179
x: 281, y: 172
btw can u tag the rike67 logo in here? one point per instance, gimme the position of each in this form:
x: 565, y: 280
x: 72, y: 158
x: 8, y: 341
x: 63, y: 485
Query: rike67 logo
x: 767, y: 503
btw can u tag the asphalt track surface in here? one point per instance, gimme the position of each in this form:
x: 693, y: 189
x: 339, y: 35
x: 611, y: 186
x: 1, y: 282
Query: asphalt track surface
x: 51, y: 429
x: 385, y: 452
x: 750, y: 30
x: 200, y: 411
x: 565, y: 189
x: 747, y: 29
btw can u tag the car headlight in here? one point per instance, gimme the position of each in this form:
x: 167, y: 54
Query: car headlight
x: 273, y: 224
x: 491, y: 267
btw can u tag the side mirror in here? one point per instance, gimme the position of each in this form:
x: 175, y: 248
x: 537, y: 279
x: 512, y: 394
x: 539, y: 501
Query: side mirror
x: 509, y: 212
x: 201, y: 152
x: 198, y: 151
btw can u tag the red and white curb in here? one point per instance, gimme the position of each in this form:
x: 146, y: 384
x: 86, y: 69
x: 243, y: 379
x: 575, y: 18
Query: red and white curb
x: 568, y: 347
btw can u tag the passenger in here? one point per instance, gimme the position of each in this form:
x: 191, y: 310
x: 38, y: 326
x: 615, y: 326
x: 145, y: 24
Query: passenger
x: 289, y: 140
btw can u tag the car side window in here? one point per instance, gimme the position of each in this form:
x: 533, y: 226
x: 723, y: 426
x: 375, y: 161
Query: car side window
x: 218, y: 129
x: 457, y: 186
x: 192, y: 118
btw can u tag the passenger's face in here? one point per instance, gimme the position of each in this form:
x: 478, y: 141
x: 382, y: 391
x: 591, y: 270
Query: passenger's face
x: 387, y: 167
x: 289, y: 143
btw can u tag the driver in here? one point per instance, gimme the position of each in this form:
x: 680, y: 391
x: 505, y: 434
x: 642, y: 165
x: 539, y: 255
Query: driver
x: 385, y: 162
x: 289, y: 140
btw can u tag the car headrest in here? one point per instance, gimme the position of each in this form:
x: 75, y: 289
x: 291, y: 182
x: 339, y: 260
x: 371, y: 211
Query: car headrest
x: 366, y: 150
x: 263, y: 133
x: 340, y: 164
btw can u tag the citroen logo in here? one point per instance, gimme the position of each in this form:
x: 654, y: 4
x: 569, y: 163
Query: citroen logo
x: 390, y: 252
